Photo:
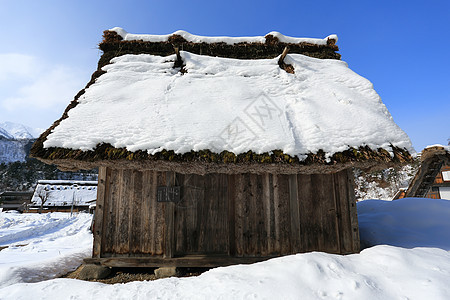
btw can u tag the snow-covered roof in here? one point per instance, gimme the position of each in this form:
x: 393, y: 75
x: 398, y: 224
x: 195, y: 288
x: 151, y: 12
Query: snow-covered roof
x: 68, y: 182
x: 65, y: 193
x: 220, y: 39
x: 143, y: 103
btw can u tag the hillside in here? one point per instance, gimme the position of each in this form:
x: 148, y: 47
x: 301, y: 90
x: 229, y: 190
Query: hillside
x: 15, y: 142
x: 18, y: 172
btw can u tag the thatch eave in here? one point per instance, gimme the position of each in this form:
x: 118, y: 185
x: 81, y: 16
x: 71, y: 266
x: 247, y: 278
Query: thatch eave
x: 205, y: 161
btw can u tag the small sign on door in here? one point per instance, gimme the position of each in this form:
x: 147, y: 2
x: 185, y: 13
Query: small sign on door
x: 168, y: 194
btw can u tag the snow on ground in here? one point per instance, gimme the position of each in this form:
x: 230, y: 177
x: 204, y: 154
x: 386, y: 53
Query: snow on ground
x: 42, y: 246
x: 411, y: 260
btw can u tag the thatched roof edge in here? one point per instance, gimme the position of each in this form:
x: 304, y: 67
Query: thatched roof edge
x: 105, y: 154
x: 113, y: 45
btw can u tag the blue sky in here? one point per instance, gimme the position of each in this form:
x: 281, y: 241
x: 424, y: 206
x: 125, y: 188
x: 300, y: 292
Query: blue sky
x: 49, y: 48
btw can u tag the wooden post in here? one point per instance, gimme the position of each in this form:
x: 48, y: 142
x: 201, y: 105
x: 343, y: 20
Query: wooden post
x: 99, y: 209
x: 179, y: 62
x: 283, y: 55
x: 282, y: 64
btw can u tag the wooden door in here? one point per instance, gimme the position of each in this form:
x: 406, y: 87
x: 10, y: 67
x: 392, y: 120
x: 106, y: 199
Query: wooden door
x: 200, y: 217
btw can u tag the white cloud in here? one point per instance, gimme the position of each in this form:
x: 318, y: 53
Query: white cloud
x: 28, y: 82
x: 16, y: 65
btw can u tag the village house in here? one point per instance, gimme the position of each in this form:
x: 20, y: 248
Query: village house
x: 15, y: 200
x: 433, y: 177
x: 63, y: 196
x: 222, y: 150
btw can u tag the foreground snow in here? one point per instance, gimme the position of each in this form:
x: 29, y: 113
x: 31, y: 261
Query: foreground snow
x: 42, y: 246
x: 379, y: 272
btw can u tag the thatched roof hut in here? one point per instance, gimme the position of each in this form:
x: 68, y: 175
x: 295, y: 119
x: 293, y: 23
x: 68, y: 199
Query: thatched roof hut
x: 433, y: 177
x: 64, y: 195
x: 234, y: 149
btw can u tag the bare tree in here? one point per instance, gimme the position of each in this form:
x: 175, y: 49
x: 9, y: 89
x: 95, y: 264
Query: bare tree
x: 43, y: 195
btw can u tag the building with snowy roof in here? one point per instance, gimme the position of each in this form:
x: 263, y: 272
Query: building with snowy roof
x: 432, y: 180
x: 63, y: 195
x: 222, y: 150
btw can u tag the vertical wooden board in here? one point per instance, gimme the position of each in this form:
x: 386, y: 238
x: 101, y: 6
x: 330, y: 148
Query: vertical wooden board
x: 136, y: 212
x: 284, y: 219
x: 309, y: 229
x: 123, y: 237
x: 248, y: 214
x: 146, y: 213
x: 260, y: 220
x: 231, y: 194
x: 276, y: 215
x: 353, y: 212
x: 195, y: 213
x: 345, y: 227
x: 99, y: 212
x: 267, y: 212
x: 158, y: 212
x: 323, y: 191
x: 188, y: 228
x: 204, y: 214
x: 214, y: 228
x: 180, y: 220
x: 240, y: 214
x: 223, y: 231
x: 110, y: 215
x: 294, y: 214
x: 169, y: 242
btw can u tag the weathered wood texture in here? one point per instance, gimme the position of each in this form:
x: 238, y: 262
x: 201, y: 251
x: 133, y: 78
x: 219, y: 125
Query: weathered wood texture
x: 223, y: 215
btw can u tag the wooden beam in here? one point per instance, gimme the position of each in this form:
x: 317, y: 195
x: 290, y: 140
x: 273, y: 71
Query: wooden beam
x: 288, y: 68
x: 179, y: 62
x: 283, y: 55
x: 185, y: 261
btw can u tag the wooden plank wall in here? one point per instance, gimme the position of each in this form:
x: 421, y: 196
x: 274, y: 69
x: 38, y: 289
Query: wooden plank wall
x: 241, y: 215
x: 133, y: 223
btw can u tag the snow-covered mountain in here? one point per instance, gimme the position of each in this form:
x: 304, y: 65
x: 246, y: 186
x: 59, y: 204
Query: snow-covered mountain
x: 18, y: 131
x: 4, y: 134
x: 15, y: 141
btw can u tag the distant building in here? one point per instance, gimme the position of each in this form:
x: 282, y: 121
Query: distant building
x: 12, y: 200
x: 63, y: 195
x: 433, y: 178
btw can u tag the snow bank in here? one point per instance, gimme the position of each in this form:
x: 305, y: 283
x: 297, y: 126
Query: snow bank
x: 379, y: 272
x: 229, y: 104
x: 219, y: 39
x: 42, y: 246
x: 382, y: 272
